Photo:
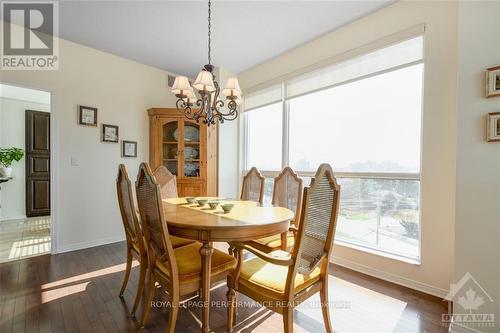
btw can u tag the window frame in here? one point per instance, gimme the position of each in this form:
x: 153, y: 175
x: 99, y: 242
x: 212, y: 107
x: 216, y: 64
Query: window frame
x: 413, y: 176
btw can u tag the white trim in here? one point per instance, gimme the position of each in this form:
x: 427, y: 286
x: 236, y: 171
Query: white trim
x: 357, y: 175
x: 92, y: 243
x: 285, y: 129
x: 54, y: 174
x: 378, y: 252
x: 394, y: 278
x: 13, y: 218
x: 25, y: 101
x: 459, y: 328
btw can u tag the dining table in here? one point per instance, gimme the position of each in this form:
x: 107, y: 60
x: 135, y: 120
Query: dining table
x: 248, y: 220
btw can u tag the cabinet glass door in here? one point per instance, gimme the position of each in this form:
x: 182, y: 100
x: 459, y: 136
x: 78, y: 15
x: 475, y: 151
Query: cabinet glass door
x: 170, y: 142
x: 191, y: 150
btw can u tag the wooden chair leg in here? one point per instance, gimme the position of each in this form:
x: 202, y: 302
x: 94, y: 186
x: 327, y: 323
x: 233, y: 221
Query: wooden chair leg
x: 140, y: 286
x: 127, y: 272
x: 284, y: 241
x: 231, y: 304
x: 288, y: 319
x: 174, y: 310
x: 323, y: 295
x: 149, y: 298
x: 235, y: 308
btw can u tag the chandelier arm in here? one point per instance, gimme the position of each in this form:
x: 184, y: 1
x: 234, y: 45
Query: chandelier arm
x: 185, y: 108
x: 231, y: 105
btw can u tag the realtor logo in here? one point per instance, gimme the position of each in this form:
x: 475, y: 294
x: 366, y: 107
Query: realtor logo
x: 29, y: 35
x: 467, y: 299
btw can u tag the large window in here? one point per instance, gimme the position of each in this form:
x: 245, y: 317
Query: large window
x: 363, y: 116
x: 264, y: 137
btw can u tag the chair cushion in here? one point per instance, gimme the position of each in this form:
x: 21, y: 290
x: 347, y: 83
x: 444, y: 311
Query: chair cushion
x: 271, y: 243
x: 189, y: 262
x: 178, y: 242
x: 270, y: 279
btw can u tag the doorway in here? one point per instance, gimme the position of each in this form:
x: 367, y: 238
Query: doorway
x: 25, y: 208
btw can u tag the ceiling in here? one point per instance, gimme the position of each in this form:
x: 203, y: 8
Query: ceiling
x: 172, y: 35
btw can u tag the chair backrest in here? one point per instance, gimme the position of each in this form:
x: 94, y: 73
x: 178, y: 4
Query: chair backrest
x: 287, y: 192
x: 167, y: 182
x: 153, y: 221
x: 253, y: 186
x: 130, y: 221
x: 318, y: 220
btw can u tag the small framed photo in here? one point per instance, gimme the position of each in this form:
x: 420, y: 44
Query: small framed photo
x: 129, y: 148
x: 87, y: 116
x: 494, y: 126
x: 493, y: 82
x: 109, y: 133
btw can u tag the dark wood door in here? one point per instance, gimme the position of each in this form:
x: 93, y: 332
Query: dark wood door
x: 37, y: 163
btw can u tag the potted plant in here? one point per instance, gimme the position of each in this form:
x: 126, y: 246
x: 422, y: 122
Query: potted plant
x: 7, y: 157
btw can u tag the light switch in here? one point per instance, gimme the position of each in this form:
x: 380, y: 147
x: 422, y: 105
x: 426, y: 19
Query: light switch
x: 75, y: 161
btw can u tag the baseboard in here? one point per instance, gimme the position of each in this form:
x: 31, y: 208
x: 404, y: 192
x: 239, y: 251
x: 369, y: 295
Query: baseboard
x: 394, y: 278
x: 93, y: 243
x: 459, y: 328
x: 20, y: 217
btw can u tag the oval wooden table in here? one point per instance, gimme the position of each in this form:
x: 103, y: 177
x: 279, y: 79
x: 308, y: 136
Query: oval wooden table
x: 246, y: 221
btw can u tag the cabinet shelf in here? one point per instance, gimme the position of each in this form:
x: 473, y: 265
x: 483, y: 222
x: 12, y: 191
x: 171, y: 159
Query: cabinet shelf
x: 170, y: 142
x: 191, y: 142
x: 170, y: 159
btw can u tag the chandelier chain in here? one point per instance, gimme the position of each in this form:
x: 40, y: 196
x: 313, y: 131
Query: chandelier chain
x: 209, y: 31
x: 208, y: 107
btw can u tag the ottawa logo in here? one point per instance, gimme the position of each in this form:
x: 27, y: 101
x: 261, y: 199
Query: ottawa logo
x: 468, y: 302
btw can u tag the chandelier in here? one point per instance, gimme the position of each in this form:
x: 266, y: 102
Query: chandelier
x: 208, y: 107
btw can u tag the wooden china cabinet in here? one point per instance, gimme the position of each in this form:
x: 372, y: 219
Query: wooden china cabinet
x: 186, y: 148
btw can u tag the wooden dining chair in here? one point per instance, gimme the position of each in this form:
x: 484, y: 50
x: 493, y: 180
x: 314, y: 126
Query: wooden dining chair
x: 167, y: 182
x: 287, y: 193
x: 253, y: 186
x: 168, y: 189
x: 282, y: 280
x: 133, y: 233
x: 178, y: 270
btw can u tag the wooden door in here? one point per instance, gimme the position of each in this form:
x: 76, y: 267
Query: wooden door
x: 37, y: 163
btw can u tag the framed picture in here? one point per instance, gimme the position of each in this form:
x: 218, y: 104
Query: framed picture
x: 129, y: 148
x: 109, y: 133
x: 87, y: 116
x: 493, y: 82
x: 494, y: 126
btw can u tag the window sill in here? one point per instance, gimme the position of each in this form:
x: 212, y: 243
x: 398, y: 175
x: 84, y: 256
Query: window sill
x: 378, y: 252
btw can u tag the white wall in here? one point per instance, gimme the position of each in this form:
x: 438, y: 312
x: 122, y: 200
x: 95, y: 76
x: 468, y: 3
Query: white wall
x: 12, y: 134
x: 477, y: 248
x: 228, y: 148
x: 435, y: 272
x: 122, y: 90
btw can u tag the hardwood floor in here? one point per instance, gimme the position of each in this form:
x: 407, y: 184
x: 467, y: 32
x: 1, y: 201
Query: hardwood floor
x: 78, y: 292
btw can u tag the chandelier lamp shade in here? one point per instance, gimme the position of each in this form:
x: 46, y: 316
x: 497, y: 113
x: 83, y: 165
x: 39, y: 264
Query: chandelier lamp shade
x: 208, y: 108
